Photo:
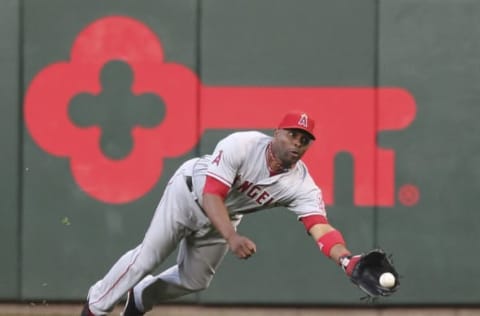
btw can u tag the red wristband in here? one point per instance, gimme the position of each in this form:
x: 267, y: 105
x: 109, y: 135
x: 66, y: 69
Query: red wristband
x: 328, y: 240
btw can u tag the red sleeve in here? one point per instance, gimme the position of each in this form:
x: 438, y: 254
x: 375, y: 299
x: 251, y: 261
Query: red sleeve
x: 311, y: 220
x: 214, y: 186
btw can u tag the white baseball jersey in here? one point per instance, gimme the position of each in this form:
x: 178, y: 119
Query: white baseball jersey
x: 240, y: 162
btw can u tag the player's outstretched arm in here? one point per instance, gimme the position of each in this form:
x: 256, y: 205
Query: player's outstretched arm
x: 364, y: 270
x: 330, y: 241
x: 217, y: 212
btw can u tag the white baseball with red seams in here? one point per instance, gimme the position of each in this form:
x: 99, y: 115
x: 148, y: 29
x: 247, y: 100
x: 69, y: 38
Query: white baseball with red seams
x: 239, y: 161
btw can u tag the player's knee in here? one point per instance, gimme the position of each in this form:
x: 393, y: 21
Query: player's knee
x: 198, y: 284
x: 145, y: 262
x: 197, y: 287
x: 147, y: 265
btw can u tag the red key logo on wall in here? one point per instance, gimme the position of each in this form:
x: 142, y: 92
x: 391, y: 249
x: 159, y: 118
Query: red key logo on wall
x: 347, y: 119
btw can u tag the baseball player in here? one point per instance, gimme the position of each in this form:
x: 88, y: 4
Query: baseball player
x: 201, y: 207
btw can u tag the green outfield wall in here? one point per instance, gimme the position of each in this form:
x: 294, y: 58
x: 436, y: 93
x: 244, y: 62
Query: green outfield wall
x: 102, y: 100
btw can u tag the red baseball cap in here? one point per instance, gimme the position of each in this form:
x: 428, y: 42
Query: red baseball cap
x: 298, y: 120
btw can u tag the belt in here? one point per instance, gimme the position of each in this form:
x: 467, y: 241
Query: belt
x: 188, y: 180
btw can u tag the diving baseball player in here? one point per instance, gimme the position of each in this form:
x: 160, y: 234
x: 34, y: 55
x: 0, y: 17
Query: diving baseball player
x: 201, y: 207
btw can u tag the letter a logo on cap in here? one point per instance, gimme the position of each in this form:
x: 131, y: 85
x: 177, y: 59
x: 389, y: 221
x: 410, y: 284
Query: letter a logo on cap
x: 303, y: 121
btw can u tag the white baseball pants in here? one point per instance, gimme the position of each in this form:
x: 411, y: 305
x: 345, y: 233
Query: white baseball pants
x: 178, y: 221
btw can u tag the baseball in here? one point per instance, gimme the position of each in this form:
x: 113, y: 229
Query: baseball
x: 387, y: 279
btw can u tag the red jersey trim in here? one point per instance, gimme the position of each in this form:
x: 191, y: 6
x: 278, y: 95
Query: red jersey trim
x: 215, y: 186
x: 311, y: 220
x: 219, y: 178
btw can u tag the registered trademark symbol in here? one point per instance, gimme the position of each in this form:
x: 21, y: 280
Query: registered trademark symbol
x: 408, y: 195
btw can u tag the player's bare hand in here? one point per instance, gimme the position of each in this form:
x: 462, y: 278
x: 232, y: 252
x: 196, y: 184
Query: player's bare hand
x: 241, y: 246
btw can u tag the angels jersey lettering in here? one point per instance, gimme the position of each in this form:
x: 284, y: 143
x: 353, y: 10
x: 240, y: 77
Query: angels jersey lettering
x: 216, y: 161
x: 240, y: 162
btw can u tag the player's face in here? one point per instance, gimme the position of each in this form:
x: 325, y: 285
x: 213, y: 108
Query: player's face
x: 289, y: 145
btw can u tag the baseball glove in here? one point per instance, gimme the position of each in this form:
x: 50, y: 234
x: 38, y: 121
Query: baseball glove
x: 365, y: 270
